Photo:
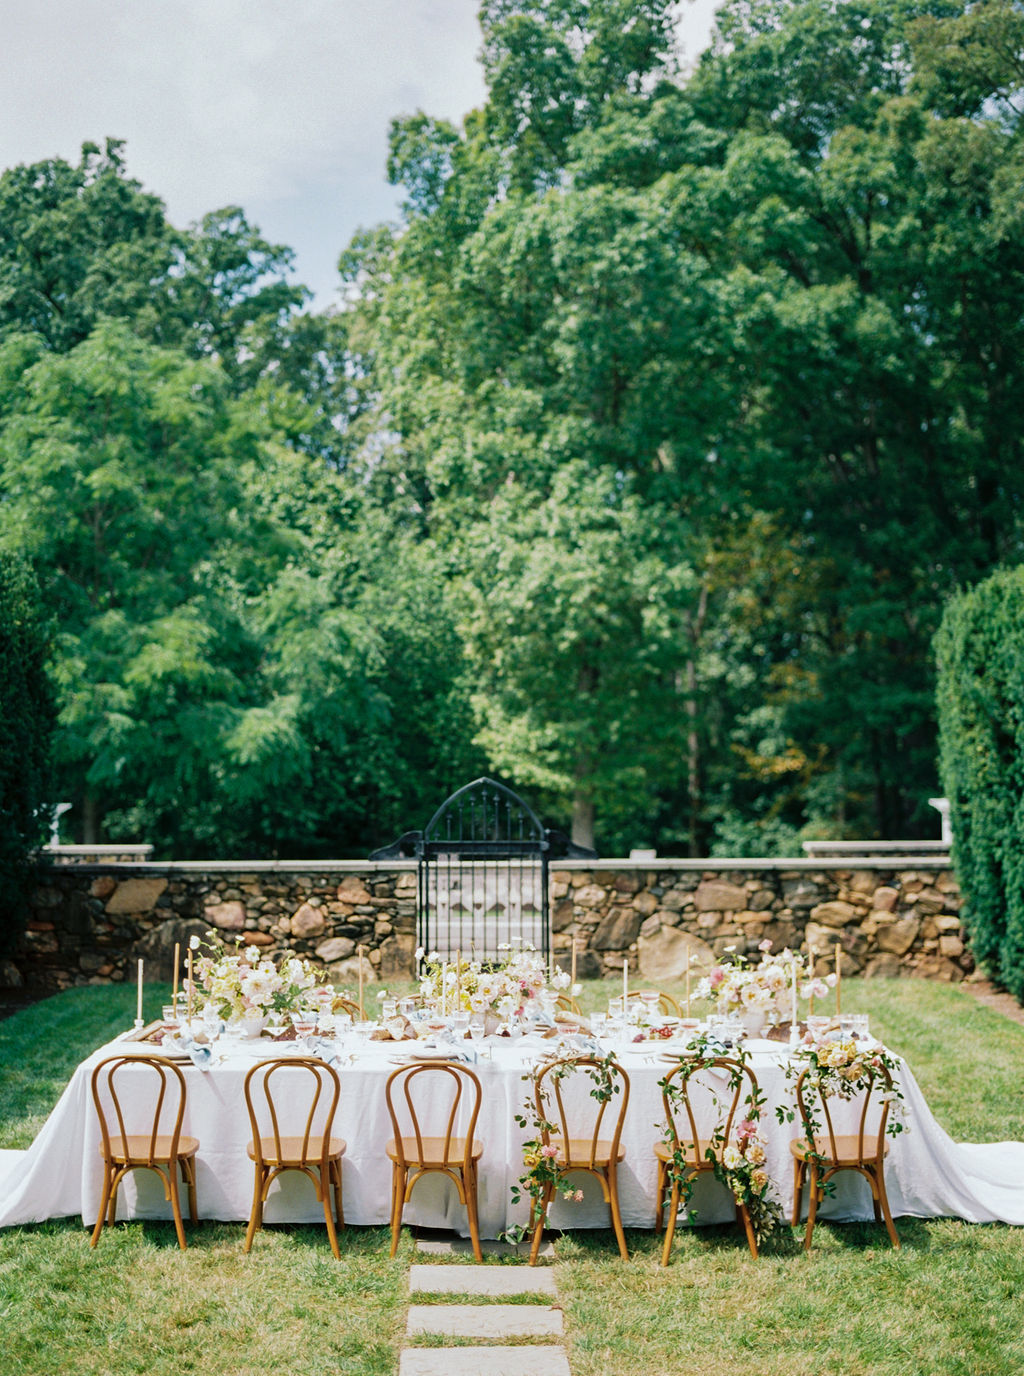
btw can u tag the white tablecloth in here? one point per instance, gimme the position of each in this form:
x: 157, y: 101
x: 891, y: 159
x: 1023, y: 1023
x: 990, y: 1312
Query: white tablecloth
x: 927, y: 1174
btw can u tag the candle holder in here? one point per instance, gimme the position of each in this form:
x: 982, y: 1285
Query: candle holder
x: 139, y: 1024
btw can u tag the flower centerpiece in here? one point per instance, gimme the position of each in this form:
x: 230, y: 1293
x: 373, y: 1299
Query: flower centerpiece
x: 508, y: 990
x: 245, y: 984
x: 757, y: 993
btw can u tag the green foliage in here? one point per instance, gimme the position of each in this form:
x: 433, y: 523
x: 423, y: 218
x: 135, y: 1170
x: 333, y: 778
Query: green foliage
x: 980, y: 653
x: 27, y: 715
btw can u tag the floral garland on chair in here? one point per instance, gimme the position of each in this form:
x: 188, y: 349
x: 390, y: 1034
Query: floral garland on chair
x: 842, y: 1068
x: 542, y: 1166
x: 738, y: 1164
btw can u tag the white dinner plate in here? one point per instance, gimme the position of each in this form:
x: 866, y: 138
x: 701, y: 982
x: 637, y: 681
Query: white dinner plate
x: 758, y: 1044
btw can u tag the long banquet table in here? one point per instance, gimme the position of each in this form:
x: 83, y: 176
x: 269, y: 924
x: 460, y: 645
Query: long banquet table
x: 927, y: 1174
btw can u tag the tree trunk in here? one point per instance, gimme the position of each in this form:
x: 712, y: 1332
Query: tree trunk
x: 91, y: 819
x: 583, y: 818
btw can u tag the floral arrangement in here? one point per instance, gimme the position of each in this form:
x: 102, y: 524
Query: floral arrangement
x: 244, y: 982
x: 739, y: 1163
x: 740, y: 987
x: 506, y: 991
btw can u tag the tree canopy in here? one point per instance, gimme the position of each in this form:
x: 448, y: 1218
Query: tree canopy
x: 636, y: 466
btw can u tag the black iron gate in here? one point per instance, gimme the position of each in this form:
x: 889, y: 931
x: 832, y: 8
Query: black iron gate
x: 483, y: 873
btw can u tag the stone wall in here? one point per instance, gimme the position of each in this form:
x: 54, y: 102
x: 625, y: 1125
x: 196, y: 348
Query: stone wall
x: 91, y: 922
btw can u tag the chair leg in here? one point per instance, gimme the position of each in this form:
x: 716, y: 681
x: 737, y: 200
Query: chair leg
x: 798, y: 1188
x: 397, y: 1204
x: 172, y: 1184
x: 659, y: 1214
x: 188, y: 1170
x: 538, y: 1227
x: 332, y: 1236
x: 890, y: 1226
x: 812, y: 1205
x: 744, y: 1214
x: 256, y: 1216
x: 470, y: 1184
x: 339, y: 1207
x: 670, y: 1225
x: 613, y: 1190
x: 101, y: 1215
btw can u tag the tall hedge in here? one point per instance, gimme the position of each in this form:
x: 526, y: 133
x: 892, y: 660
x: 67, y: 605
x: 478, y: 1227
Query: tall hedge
x: 980, y: 658
x: 27, y: 717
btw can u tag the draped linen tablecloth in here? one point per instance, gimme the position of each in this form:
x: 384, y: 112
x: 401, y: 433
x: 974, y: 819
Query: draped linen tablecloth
x: 927, y: 1174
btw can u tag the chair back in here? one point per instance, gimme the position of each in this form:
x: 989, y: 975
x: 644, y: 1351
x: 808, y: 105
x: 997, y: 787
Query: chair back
x: 306, y: 1086
x: 565, y: 1003
x: 872, y: 1104
x: 340, y: 1004
x: 699, y: 1093
x: 666, y: 1003
x: 118, y: 1090
x: 558, y: 1091
x: 413, y: 1090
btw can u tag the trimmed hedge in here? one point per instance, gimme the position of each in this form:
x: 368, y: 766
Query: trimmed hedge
x: 27, y: 717
x: 979, y: 649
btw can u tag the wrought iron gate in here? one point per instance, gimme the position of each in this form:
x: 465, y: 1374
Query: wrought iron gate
x: 482, y: 873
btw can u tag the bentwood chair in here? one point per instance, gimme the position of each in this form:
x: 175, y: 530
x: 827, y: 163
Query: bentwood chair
x: 585, y: 1128
x: 121, y: 1085
x: 818, y: 1156
x: 311, y: 1088
x: 340, y: 1004
x: 666, y: 1003
x: 565, y: 1003
x: 715, y: 1092
x: 440, y: 1086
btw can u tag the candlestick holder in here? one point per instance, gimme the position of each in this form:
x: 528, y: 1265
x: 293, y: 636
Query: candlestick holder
x: 139, y: 1024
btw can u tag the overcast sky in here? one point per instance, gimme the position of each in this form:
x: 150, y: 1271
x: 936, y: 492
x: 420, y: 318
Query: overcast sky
x: 279, y: 106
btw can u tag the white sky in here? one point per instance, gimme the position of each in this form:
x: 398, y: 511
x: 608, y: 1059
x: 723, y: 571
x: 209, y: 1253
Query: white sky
x: 279, y: 106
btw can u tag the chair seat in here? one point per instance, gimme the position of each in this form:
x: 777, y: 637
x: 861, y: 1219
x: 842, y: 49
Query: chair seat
x: 583, y: 1151
x: 137, y: 1148
x: 291, y: 1151
x: 433, y: 1151
x: 847, y: 1151
x: 665, y: 1153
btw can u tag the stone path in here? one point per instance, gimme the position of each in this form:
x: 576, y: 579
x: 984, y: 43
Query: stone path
x: 491, y: 1325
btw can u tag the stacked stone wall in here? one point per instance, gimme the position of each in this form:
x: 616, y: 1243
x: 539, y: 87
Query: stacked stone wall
x: 91, y: 922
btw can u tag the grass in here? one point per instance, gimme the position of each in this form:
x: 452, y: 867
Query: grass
x: 946, y: 1304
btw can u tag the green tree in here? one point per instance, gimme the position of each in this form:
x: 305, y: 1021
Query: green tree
x: 27, y: 714
x: 980, y: 654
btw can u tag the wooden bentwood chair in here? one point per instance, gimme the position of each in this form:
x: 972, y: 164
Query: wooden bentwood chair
x: 724, y: 1086
x: 314, y: 1152
x: 864, y: 1151
x: 666, y: 1003
x: 414, y: 1155
x: 577, y: 1134
x: 116, y: 1086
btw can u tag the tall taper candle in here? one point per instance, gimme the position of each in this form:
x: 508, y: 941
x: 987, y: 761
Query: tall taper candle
x: 138, y: 1009
x: 190, y: 987
x: 362, y: 1011
x: 572, y: 964
x: 174, y: 977
x: 795, y: 1019
x: 625, y: 985
x: 839, y: 977
x: 444, y: 989
x: 458, y: 981
x: 689, y: 962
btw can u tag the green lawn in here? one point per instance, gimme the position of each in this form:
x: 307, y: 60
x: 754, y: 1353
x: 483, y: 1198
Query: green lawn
x: 947, y: 1304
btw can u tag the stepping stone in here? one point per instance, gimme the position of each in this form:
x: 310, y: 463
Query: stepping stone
x: 483, y: 1361
x: 482, y: 1280
x: 485, y: 1321
x: 462, y: 1247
